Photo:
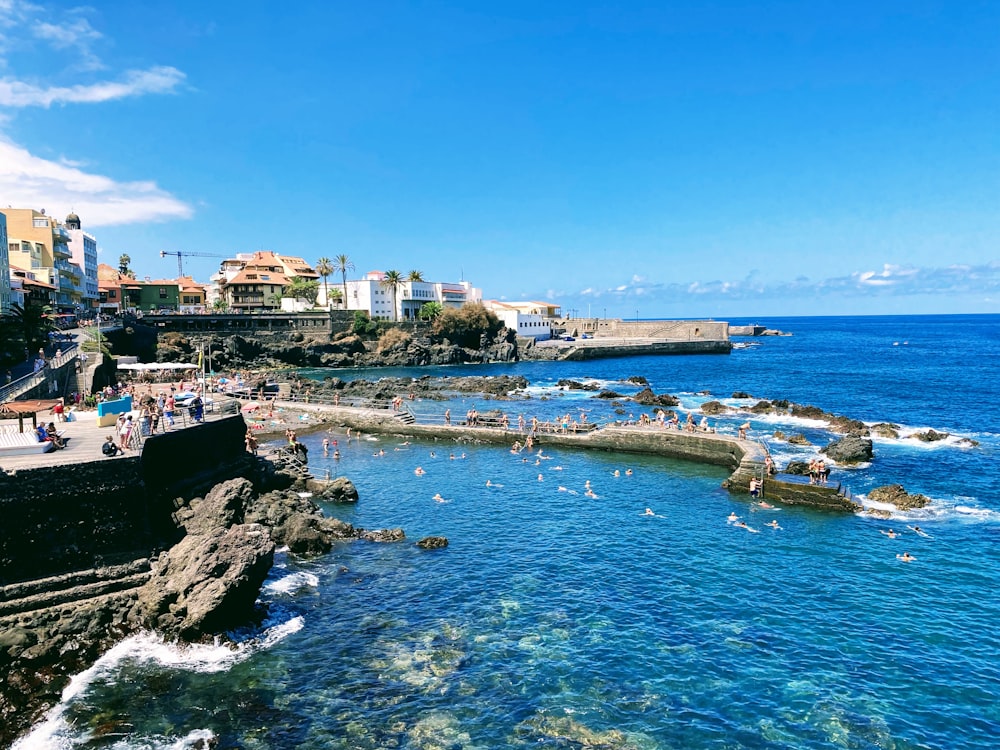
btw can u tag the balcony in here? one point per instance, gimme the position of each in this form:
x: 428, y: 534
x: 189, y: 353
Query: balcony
x: 60, y: 236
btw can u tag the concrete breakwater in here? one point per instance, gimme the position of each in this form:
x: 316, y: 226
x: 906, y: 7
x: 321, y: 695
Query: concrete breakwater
x: 745, y: 458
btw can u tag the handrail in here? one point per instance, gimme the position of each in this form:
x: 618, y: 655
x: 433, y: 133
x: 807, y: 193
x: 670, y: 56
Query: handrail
x: 25, y: 383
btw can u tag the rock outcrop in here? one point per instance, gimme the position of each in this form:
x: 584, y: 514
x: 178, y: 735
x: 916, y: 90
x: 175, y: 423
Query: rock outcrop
x: 648, y: 398
x: 850, y: 449
x: 433, y: 542
x: 894, y: 494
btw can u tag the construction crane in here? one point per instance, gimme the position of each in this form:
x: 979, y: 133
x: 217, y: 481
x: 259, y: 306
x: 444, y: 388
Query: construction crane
x: 181, y: 255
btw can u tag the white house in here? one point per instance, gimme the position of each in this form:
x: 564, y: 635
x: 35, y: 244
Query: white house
x: 528, y: 319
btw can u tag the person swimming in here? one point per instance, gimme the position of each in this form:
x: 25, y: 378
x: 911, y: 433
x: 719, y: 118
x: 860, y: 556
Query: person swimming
x: 628, y: 472
x: 773, y: 525
x: 437, y: 498
x: 890, y: 533
x: 766, y: 505
x: 906, y: 557
x: 920, y: 532
x: 616, y: 473
x: 732, y: 517
x: 649, y: 512
x: 419, y: 471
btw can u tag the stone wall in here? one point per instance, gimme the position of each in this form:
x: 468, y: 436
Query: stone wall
x: 675, y: 330
x: 60, y: 519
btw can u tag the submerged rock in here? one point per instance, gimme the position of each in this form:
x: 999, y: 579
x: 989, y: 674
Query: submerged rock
x: 929, y: 436
x: 714, y: 407
x: 885, y: 430
x: 433, y: 542
x: 799, y: 439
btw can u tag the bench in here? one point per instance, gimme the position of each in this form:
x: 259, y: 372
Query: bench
x: 22, y: 444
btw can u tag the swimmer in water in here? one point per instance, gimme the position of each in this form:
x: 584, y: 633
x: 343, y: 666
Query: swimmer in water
x: 628, y: 472
x: 773, y: 525
x: 743, y: 525
x: 433, y: 454
x: 336, y: 454
x: 766, y: 505
x: 919, y: 531
x: 419, y: 471
x: 587, y: 484
x: 541, y: 478
x: 562, y: 489
x: 732, y: 517
x: 437, y: 498
x: 890, y: 533
x: 649, y: 512
x: 616, y: 473
x: 590, y: 493
x: 906, y: 557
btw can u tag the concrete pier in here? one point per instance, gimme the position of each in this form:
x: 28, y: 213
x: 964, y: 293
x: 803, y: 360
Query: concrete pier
x: 745, y: 458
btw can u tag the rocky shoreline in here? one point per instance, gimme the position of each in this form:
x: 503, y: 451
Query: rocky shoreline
x: 202, y: 587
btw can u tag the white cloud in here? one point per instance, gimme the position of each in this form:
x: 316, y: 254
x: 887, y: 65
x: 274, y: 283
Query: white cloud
x: 28, y: 181
x: 156, y: 80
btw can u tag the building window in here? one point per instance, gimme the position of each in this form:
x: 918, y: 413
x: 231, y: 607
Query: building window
x: 40, y: 223
x: 163, y: 292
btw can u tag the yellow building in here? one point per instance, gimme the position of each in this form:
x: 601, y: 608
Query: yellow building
x: 40, y: 244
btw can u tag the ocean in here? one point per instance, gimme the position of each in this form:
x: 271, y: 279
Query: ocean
x: 558, y: 620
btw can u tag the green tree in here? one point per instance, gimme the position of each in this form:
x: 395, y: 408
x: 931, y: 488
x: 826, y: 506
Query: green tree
x: 324, y: 267
x: 430, y: 310
x: 123, y: 263
x: 302, y: 288
x: 336, y: 296
x: 392, y: 281
x: 342, y: 264
x: 466, y: 325
x: 415, y: 276
x: 220, y: 306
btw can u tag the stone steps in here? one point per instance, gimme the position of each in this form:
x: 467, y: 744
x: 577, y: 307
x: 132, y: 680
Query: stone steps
x: 30, y: 596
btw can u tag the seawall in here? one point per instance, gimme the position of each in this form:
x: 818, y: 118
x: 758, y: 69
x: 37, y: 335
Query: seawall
x: 59, y: 519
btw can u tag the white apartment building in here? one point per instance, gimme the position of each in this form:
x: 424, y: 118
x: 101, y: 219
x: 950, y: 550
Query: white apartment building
x: 369, y: 294
x: 83, y: 248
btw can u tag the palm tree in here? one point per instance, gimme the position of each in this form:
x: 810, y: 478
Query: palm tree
x: 324, y: 267
x: 335, y: 296
x: 343, y: 264
x: 392, y: 281
x: 123, y: 261
x: 430, y: 310
x: 302, y: 288
x: 415, y: 276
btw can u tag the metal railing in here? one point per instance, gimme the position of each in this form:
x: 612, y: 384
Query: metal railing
x: 22, y: 385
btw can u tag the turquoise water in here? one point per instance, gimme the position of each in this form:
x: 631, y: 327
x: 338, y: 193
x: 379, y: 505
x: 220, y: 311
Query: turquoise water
x: 559, y: 620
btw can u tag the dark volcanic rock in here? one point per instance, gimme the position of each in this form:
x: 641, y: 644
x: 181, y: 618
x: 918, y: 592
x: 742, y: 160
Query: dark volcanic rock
x: 222, y: 507
x: 648, y: 398
x: 799, y: 468
x: 382, y: 535
x: 896, y: 495
x: 207, y: 583
x: 575, y: 385
x: 850, y: 449
x: 799, y: 439
x: 848, y: 426
x: 808, y: 412
x: 339, y: 490
x: 637, y: 380
x: 762, y: 407
x: 886, y: 430
x: 609, y: 395
x: 741, y: 394
x: 433, y: 542
x: 929, y: 436
x: 714, y: 407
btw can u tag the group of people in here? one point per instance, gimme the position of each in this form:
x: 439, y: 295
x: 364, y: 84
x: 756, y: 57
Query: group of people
x: 818, y: 471
x: 49, y: 434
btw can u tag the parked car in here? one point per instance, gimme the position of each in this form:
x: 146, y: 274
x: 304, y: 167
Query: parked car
x: 586, y: 336
x: 568, y: 338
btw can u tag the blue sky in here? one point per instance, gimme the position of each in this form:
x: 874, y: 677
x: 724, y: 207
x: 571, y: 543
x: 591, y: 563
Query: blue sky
x: 708, y: 159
